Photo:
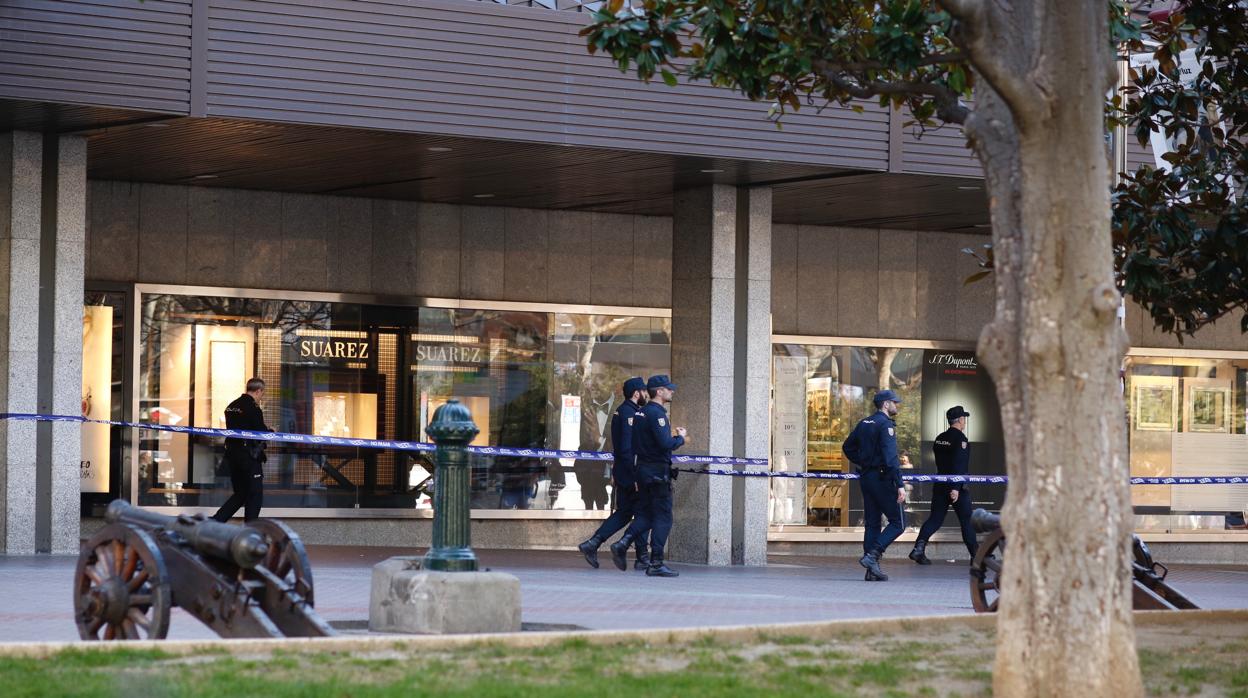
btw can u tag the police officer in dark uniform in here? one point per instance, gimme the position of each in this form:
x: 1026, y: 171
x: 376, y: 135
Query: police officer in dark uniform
x: 953, y: 457
x: 245, y: 457
x: 624, y: 475
x: 653, y: 442
x: 872, y: 447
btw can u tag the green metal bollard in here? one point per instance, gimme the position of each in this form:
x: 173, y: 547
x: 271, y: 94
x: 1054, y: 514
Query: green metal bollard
x: 451, y: 429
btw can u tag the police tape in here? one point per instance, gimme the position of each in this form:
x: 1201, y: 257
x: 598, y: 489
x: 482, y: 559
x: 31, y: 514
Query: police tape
x: 394, y: 445
x: 543, y: 453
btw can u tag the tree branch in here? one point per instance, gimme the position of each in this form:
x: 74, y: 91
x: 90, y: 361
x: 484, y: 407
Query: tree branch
x: 948, y: 106
x: 977, y: 25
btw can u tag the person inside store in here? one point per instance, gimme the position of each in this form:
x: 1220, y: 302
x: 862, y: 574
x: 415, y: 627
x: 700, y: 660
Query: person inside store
x: 653, y: 444
x: 624, y: 477
x: 872, y: 448
x: 953, y: 457
x: 245, y: 457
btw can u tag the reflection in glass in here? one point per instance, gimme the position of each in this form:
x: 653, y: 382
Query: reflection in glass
x: 821, y: 392
x: 1187, y: 418
x: 530, y: 380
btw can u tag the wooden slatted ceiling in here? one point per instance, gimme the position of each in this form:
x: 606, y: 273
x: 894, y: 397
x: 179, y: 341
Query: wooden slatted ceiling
x: 354, y: 162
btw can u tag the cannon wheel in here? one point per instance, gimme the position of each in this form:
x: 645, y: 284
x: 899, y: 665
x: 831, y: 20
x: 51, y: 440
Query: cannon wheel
x: 121, y: 587
x: 986, y: 573
x: 287, y: 557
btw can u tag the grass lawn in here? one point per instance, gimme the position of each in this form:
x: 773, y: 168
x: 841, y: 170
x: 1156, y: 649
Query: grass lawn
x: 1207, y: 660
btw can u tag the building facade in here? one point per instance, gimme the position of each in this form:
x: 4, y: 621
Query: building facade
x: 380, y: 205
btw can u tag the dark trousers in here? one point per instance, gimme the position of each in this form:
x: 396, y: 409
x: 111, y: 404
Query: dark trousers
x: 247, y: 478
x: 879, y: 497
x: 655, y: 515
x: 940, y: 507
x: 627, y: 502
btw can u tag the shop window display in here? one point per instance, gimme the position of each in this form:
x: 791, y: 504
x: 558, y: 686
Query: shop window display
x: 1188, y: 416
x: 531, y: 378
x: 822, y: 391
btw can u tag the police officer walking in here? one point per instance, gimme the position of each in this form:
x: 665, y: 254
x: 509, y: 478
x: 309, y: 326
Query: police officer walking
x: 245, y: 457
x: 624, y: 475
x: 953, y: 457
x: 872, y: 448
x: 653, y: 443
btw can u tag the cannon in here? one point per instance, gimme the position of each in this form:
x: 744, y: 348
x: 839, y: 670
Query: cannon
x: 240, y: 581
x: 1150, y: 591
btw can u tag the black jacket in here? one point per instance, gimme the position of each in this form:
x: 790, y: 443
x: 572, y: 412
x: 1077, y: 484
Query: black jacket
x: 244, y: 413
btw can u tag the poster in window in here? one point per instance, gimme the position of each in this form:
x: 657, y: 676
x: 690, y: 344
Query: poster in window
x: 97, y: 391
x: 1154, y: 404
x: 1208, y: 409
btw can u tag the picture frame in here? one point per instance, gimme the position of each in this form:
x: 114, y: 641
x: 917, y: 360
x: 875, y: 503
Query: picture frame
x: 1154, y: 404
x: 1207, y: 408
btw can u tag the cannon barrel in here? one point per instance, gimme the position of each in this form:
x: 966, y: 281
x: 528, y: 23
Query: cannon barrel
x: 243, y: 546
x: 984, y: 522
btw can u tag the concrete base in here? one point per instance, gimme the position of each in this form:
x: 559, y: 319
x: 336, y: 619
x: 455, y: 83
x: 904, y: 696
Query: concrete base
x: 407, y: 599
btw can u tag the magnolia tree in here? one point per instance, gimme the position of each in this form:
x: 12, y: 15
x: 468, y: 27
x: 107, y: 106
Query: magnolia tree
x: 1039, y: 71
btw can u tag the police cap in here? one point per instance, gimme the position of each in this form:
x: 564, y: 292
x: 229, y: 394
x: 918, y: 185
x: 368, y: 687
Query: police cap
x: 632, y: 385
x: 885, y: 396
x: 953, y: 414
x: 660, y: 381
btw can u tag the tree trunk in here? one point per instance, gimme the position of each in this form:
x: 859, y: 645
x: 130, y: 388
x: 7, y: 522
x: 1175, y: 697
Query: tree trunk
x: 1055, y: 350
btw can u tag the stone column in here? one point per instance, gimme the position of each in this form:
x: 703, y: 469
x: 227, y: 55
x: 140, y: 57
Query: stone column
x: 21, y: 172
x: 62, y: 277
x: 752, y: 416
x: 721, y: 260
x: 42, y: 238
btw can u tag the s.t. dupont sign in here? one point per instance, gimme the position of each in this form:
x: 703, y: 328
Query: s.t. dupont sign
x: 955, y: 364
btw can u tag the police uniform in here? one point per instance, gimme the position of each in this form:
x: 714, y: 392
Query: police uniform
x: 246, y: 459
x: 653, y: 443
x: 624, y: 473
x: 872, y: 448
x: 953, y: 457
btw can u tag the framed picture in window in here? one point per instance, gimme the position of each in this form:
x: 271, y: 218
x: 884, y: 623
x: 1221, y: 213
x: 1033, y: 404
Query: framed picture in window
x: 1154, y: 403
x: 1208, y: 408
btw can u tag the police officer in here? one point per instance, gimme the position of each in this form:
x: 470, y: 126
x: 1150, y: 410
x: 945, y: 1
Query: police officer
x: 624, y: 474
x: 953, y: 457
x: 872, y: 447
x: 245, y: 457
x: 653, y: 442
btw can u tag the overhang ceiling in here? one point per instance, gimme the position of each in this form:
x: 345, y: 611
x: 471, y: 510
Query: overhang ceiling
x: 212, y: 152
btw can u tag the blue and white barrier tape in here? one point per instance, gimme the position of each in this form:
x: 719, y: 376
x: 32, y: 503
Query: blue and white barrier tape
x: 312, y: 440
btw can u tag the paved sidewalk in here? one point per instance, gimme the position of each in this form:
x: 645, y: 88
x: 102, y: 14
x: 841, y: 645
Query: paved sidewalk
x: 560, y: 590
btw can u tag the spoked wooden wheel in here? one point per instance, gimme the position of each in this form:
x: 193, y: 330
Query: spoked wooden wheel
x: 121, y: 587
x: 287, y: 557
x: 986, y: 573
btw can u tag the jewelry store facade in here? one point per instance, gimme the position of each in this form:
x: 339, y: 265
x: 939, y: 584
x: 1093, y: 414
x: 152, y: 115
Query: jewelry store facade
x: 547, y: 376
x: 375, y: 223
x: 533, y: 375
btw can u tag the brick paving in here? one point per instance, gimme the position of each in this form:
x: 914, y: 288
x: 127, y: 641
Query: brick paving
x: 560, y: 590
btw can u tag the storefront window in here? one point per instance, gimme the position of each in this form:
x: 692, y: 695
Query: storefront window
x: 821, y: 392
x: 1187, y: 418
x: 530, y: 378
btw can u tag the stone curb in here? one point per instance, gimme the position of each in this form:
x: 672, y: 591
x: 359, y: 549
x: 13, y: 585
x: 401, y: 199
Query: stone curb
x: 737, y: 633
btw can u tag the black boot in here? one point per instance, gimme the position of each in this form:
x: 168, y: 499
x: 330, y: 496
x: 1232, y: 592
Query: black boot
x: 658, y: 568
x: 643, y: 559
x: 870, y: 577
x: 920, y: 546
x: 590, y: 550
x: 619, y: 551
x: 872, y: 562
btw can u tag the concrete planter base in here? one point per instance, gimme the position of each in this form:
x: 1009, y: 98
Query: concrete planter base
x: 407, y: 599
